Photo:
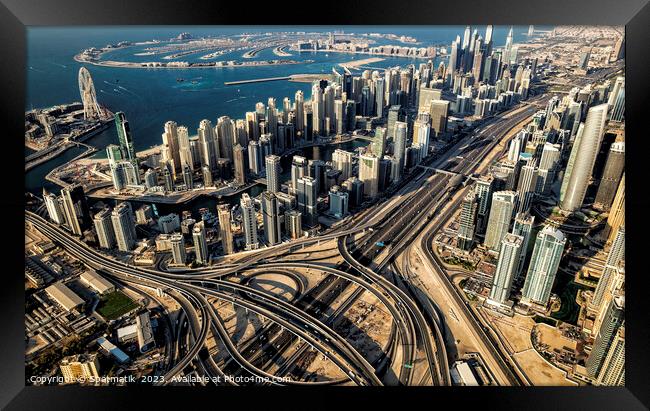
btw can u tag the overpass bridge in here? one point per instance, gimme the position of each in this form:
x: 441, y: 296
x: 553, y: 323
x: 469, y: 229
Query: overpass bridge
x: 438, y: 170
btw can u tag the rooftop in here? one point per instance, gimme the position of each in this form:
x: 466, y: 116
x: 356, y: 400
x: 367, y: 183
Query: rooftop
x: 64, y: 296
x: 97, y: 282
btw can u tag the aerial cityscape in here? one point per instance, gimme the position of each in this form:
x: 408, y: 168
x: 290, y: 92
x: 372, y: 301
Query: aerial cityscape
x: 356, y: 206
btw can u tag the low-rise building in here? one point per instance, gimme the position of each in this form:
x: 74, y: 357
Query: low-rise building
x: 110, y: 349
x: 128, y: 333
x: 78, y: 367
x: 145, y: 333
x: 461, y: 374
x: 97, y: 282
x: 64, y: 296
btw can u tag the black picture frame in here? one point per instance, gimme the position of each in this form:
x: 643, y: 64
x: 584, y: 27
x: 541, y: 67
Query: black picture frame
x: 15, y: 15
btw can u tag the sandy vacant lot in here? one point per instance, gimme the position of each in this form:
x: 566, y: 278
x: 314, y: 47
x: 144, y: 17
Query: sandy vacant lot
x: 539, y: 371
x: 516, y: 335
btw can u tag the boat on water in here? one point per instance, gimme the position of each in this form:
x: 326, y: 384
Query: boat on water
x: 180, y: 80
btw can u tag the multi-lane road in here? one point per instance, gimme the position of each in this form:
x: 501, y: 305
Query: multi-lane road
x: 420, y: 203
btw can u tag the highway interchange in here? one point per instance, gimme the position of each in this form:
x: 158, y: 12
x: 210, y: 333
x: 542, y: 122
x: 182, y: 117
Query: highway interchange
x: 405, y: 218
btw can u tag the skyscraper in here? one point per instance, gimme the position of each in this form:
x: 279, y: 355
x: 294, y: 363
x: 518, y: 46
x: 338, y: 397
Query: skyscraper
x: 354, y: 187
x: 394, y: 115
x: 517, y: 144
x: 369, y: 174
x: 207, y: 177
x: 342, y: 161
x: 124, y: 227
x: 177, y: 242
x: 271, y: 218
x: 466, y: 38
x: 338, y: 201
x: 422, y: 132
x: 123, y: 174
x: 299, y: 119
x: 298, y: 170
x: 188, y: 178
x: 614, y: 318
x: 184, y: 149
x: 612, y: 371
x: 426, y: 96
x: 616, y: 216
x: 249, y: 222
x: 273, y: 173
x: 572, y: 159
x: 399, y: 148
x: 585, y: 158
x: 378, y: 144
x: 239, y: 154
x: 484, y: 187
x: 201, y: 251
x: 104, y: 229
x: 523, y: 226
x: 615, y: 256
x: 307, y: 196
x: 255, y: 157
x: 114, y: 156
x: 379, y: 96
x: 611, y: 175
x: 169, y: 179
x: 225, y: 131
x: 507, y: 51
x: 350, y: 115
x: 467, y: 221
x: 439, y: 112
x: 225, y: 229
x: 293, y: 223
x: 547, y: 166
x: 318, y: 110
x: 526, y: 186
x: 150, y: 178
x: 252, y: 126
x: 126, y: 140
x: 77, y: 213
x: 271, y: 117
x: 488, y: 34
x: 501, y: 210
x: 618, y: 85
x: 453, y: 57
x: 339, y: 115
x: 509, y: 256
x: 53, y: 206
x: 170, y: 148
x: 544, y: 263
x: 208, y: 145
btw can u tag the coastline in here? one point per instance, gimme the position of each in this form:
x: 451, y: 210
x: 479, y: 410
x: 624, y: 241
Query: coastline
x: 161, y: 65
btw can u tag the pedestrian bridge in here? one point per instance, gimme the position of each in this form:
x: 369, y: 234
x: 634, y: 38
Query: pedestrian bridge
x: 438, y: 170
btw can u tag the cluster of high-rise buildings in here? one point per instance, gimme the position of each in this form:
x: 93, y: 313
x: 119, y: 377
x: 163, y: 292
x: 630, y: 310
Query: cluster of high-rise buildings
x: 402, y: 110
x: 400, y: 104
x: 563, y: 157
x: 560, y: 146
